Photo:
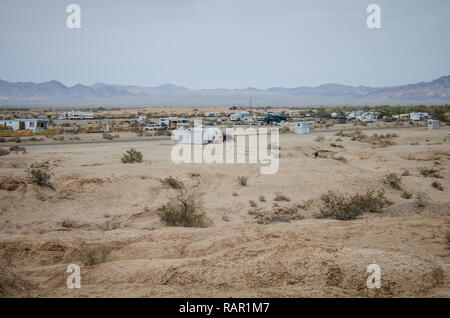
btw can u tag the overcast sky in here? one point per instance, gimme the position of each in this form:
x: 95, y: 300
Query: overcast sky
x: 225, y: 43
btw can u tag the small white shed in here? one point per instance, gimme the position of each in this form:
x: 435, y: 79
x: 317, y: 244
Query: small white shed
x: 433, y: 124
x: 301, y: 128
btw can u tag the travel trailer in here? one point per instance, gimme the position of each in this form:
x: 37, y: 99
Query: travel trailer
x: 76, y: 115
x: 301, y: 128
x: 34, y: 124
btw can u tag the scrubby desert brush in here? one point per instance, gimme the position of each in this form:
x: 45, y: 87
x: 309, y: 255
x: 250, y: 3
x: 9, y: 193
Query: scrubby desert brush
x: 406, y: 195
x: 131, y: 156
x: 252, y: 204
x: 184, y: 209
x: 394, y: 180
x: 336, y: 145
x: 262, y: 198
x: 437, y: 185
x: 17, y: 149
x: 405, y: 173
x: 281, y: 197
x: 447, y: 236
x: 285, y: 130
x: 94, y: 256
x: 4, y: 152
x: 242, y: 180
x: 172, y: 182
x: 430, y: 173
x: 40, y: 173
x: 347, y: 207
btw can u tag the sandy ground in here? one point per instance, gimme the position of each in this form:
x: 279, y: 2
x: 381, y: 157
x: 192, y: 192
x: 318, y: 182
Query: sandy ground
x: 114, y: 206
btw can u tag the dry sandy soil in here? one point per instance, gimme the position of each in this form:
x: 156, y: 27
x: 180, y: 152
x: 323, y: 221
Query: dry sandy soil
x: 113, y: 207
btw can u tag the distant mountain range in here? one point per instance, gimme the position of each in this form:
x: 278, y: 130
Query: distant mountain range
x: 54, y: 93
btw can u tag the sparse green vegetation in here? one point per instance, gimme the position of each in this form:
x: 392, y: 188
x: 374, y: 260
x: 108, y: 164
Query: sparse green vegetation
x: 4, y: 152
x: 17, y: 149
x: 131, y: 156
x: 406, y: 195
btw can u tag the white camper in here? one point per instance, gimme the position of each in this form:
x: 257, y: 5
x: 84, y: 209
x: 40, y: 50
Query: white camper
x: 301, y: 128
x: 433, y: 124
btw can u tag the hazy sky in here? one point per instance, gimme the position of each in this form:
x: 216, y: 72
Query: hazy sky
x: 225, y: 43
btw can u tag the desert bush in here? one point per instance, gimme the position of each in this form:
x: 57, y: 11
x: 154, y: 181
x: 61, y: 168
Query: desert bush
x: 2, y: 139
x: 172, y: 182
x: 394, y: 180
x: 17, y: 139
x: 406, y: 195
x: 422, y: 200
x: 336, y: 145
x: 108, y: 136
x: 235, y: 194
x: 348, y: 207
x: 131, y: 156
x: 252, y: 204
x: 281, y: 197
x: 447, y: 236
x: 4, y: 152
x: 17, y: 149
x: 262, y: 198
x: 40, y: 173
x: 184, y: 209
x: 437, y: 185
x: 430, y: 173
x: 242, y: 180
x: 116, y: 136
x: 94, y: 256
x: 110, y: 225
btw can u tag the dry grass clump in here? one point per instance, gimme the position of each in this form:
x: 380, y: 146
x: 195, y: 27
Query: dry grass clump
x: 406, y: 195
x: 235, y: 194
x: 347, y: 207
x: 40, y: 174
x: 131, y: 156
x: 405, y: 173
x: 262, y: 198
x: 110, y: 225
x: 378, y: 140
x: 4, y: 152
x: 394, y: 180
x: 184, y: 209
x: 252, y: 204
x: 172, y: 182
x: 242, y: 180
x: 94, y: 256
x: 284, y: 130
x: 437, y: 185
x: 279, y: 214
x: 281, y: 197
x: 10, y: 183
x: 336, y: 145
x: 430, y: 173
x: 17, y: 149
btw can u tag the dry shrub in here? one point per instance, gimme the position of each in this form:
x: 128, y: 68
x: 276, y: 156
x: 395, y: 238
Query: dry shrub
x: 111, y: 225
x: 405, y: 173
x: 437, y: 185
x: 252, y: 204
x: 235, y: 194
x: 341, y: 159
x: 183, y: 209
x: 262, y: 198
x: 394, y: 180
x: 336, y: 145
x: 10, y: 183
x: 281, y: 197
x: 94, y: 256
x: 406, y: 195
x: 4, y: 152
x: 40, y: 174
x: 319, y: 138
x: 279, y: 214
x: 17, y: 149
x: 430, y: 173
x: 242, y: 180
x: 348, y: 207
x: 172, y: 182
x: 284, y: 130
x: 447, y: 236
x: 131, y: 156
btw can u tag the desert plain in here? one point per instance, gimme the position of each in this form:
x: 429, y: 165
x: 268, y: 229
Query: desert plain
x: 262, y: 239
